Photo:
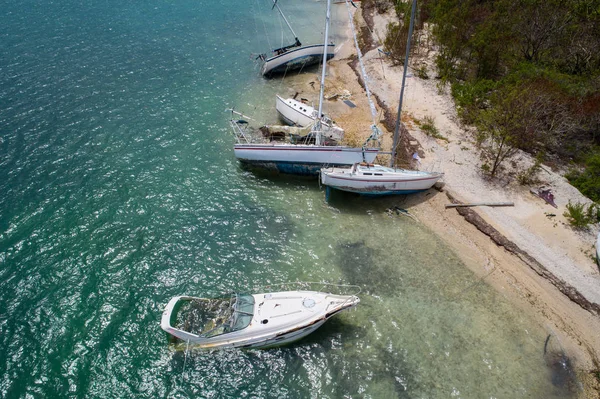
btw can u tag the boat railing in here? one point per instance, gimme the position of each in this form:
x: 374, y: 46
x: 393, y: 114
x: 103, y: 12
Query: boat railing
x: 240, y: 126
x: 238, y: 131
x: 317, y: 286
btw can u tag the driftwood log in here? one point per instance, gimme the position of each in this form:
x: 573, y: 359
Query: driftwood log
x: 481, y: 204
x: 571, y: 292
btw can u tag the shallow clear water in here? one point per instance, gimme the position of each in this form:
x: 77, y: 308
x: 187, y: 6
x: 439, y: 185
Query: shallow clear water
x: 120, y: 190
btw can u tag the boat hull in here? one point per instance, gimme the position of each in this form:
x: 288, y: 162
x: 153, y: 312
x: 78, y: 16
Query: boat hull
x: 287, y: 338
x: 294, y: 112
x: 345, y: 180
x: 300, y: 159
x: 295, y: 59
x: 277, y: 319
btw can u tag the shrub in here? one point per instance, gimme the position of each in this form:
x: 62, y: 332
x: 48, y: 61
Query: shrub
x: 395, y: 42
x: 428, y: 127
x: 529, y: 176
x: 422, y: 72
x: 580, y: 217
x: 588, y: 180
x: 380, y: 5
x: 471, y: 98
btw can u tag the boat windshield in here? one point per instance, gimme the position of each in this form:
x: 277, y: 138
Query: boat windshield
x: 234, y: 317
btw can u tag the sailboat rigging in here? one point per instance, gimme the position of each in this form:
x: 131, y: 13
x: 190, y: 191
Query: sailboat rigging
x: 296, y: 154
x: 294, y: 56
x: 373, y: 179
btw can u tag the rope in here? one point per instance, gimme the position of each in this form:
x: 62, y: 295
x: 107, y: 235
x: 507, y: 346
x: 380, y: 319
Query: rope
x: 264, y: 27
x: 282, y: 34
x: 376, y: 132
x: 479, y: 281
x: 187, y: 346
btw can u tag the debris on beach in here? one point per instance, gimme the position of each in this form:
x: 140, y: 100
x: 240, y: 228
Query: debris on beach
x: 480, y: 204
x: 401, y: 212
x: 545, y: 194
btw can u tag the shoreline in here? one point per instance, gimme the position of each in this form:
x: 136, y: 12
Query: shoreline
x: 538, y: 262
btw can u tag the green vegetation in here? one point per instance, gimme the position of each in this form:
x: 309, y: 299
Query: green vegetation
x: 588, y: 179
x: 428, y: 127
x: 581, y: 217
x: 529, y: 176
x: 526, y: 73
x: 395, y: 42
x: 380, y: 5
x: 422, y: 72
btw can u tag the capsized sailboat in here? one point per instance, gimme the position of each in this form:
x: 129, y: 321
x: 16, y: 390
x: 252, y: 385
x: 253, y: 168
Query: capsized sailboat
x: 304, y: 155
x: 294, y: 56
x: 251, y: 320
x: 298, y: 113
x: 373, y: 179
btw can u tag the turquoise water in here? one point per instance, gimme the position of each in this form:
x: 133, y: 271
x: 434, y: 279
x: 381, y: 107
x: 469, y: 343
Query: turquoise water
x: 120, y: 190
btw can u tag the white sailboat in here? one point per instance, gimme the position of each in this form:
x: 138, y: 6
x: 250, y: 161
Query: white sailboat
x: 304, y: 155
x: 377, y: 180
x: 298, y: 113
x: 372, y: 179
x: 295, y: 56
x: 294, y: 154
x: 294, y: 112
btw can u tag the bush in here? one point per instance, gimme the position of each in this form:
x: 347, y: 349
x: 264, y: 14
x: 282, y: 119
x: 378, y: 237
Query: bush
x: 580, y: 217
x: 529, y: 176
x: 422, y: 72
x: 472, y: 97
x: 380, y: 5
x: 395, y: 42
x: 588, y: 180
x: 428, y: 127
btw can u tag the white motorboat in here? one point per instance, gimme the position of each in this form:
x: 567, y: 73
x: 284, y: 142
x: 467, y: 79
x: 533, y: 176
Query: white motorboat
x: 370, y: 179
x: 251, y: 321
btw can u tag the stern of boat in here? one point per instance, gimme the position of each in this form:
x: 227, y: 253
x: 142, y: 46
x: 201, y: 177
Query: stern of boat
x: 169, y: 317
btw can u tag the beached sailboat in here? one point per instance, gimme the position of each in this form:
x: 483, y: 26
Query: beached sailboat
x: 295, y: 154
x: 251, y: 320
x: 298, y: 113
x: 294, y: 56
x: 372, y: 179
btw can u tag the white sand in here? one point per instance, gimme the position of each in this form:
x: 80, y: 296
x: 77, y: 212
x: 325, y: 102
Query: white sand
x: 566, y: 253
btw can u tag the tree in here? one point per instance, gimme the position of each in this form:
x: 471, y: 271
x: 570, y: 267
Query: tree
x: 506, y: 126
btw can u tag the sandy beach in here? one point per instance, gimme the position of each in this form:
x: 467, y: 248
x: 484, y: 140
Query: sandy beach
x: 527, y: 252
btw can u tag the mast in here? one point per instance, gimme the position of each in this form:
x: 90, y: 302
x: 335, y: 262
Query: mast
x: 396, y: 131
x: 286, y: 21
x: 317, y: 127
